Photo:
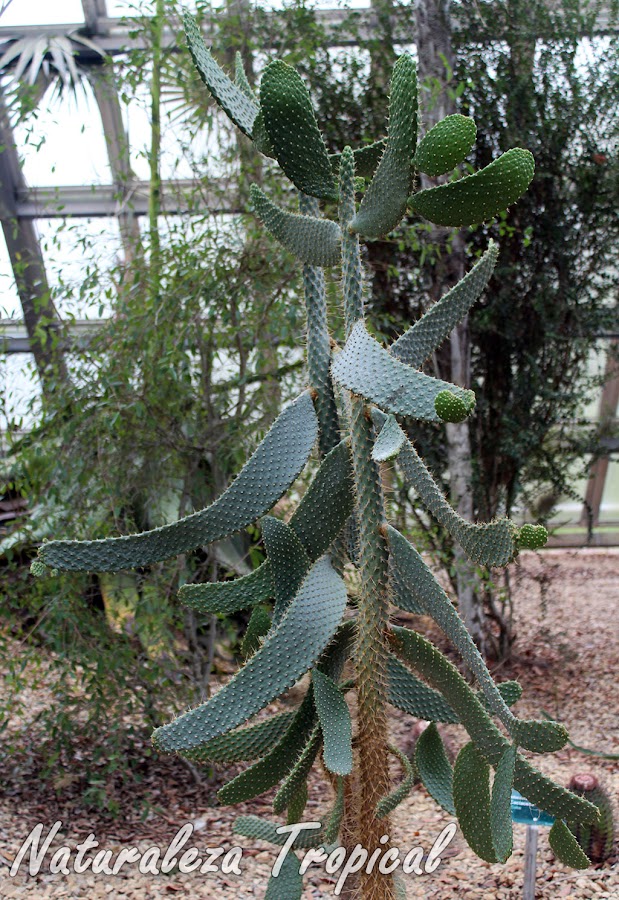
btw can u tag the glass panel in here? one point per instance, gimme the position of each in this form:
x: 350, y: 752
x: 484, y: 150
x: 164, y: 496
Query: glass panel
x: 20, y: 391
x: 64, y: 144
x: 10, y: 306
x: 609, y: 510
x: 186, y: 151
x: 139, y: 7
x: 42, y: 12
x: 80, y: 256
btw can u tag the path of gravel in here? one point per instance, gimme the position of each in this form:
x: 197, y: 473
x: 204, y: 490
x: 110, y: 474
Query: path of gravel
x: 567, y: 661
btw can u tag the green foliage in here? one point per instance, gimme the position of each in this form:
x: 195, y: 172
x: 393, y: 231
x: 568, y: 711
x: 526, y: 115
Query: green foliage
x: 384, y: 202
x: 291, y: 125
x: 434, y: 768
x: 450, y: 408
x: 479, y: 197
x: 310, y: 631
x: 471, y: 793
x: 565, y: 847
x: 335, y: 724
x: 313, y: 241
x: 532, y: 537
x: 446, y: 145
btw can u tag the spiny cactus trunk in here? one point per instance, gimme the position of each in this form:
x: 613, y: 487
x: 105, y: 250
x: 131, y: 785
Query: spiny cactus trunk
x: 371, y: 651
x: 373, y: 558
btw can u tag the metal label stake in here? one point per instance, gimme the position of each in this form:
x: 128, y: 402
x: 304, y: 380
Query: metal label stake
x: 524, y: 813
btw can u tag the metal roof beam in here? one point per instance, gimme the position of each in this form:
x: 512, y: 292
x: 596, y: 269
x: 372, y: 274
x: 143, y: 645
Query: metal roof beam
x: 95, y: 12
x: 14, y: 335
x: 115, y: 38
x: 117, y: 142
x: 85, y: 201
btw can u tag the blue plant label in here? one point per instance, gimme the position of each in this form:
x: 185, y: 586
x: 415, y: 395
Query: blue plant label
x: 524, y: 813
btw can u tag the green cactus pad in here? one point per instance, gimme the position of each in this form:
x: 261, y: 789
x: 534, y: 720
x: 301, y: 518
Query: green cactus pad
x: 401, y: 595
x: 289, y: 650
x: 291, y: 125
x: 443, y: 675
x: 451, y: 408
x: 532, y: 537
x: 332, y: 489
x: 471, y: 793
x: 269, y: 472
x: 38, y: 568
x: 262, y: 830
x: 389, y: 441
x: 335, y: 723
x: 232, y: 98
x: 417, y: 344
x: 227, y: 597
x: 327, y: 504
x: 510, y: 691
x: 244, y: 744
x: 296, y: 779
x: 538, y: 736
x: 288, y: 884
x: 297, y: 805
x: 260, y: 137
x: 258, y: 625
x: 445, y: 145
x: 366, y: 159
x: 277, y: 762
x: 500, y: 805
x: 401, y: 792
x: 434, y: 768
x: 240, y: 79
x: 316, y: 242
x: 477, y: 198
x: 384, y: 203
x: 366, y: 368
x: 406, y: 692
x: 489, y: 544
x: 565, y: 846
x: 288, y: 562
x: 281, y: 760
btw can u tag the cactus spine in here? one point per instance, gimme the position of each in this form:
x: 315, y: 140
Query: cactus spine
x: 310, y: 628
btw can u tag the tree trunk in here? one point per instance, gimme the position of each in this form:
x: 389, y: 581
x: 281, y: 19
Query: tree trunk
x: 436, y: 62
x: 40, y: 315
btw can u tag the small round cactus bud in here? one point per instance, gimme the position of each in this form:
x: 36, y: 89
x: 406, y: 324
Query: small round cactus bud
x: 532, y: 537
x: 38, y: 568
x: 451, y: 408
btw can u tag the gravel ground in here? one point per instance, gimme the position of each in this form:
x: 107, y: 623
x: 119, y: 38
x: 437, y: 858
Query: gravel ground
x: 566, y: 658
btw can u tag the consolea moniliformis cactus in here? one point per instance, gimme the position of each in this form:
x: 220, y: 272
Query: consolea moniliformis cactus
x: 314, y: 625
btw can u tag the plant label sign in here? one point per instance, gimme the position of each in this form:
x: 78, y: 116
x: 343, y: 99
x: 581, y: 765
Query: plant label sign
x: 525, y: 813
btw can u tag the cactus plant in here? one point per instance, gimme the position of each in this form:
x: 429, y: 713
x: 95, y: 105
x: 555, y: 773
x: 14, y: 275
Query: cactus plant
x: 596, y: 841
x: 350, y: 410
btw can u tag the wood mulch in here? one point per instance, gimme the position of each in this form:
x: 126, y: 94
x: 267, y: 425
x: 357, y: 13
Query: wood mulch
x: 567, y: 659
